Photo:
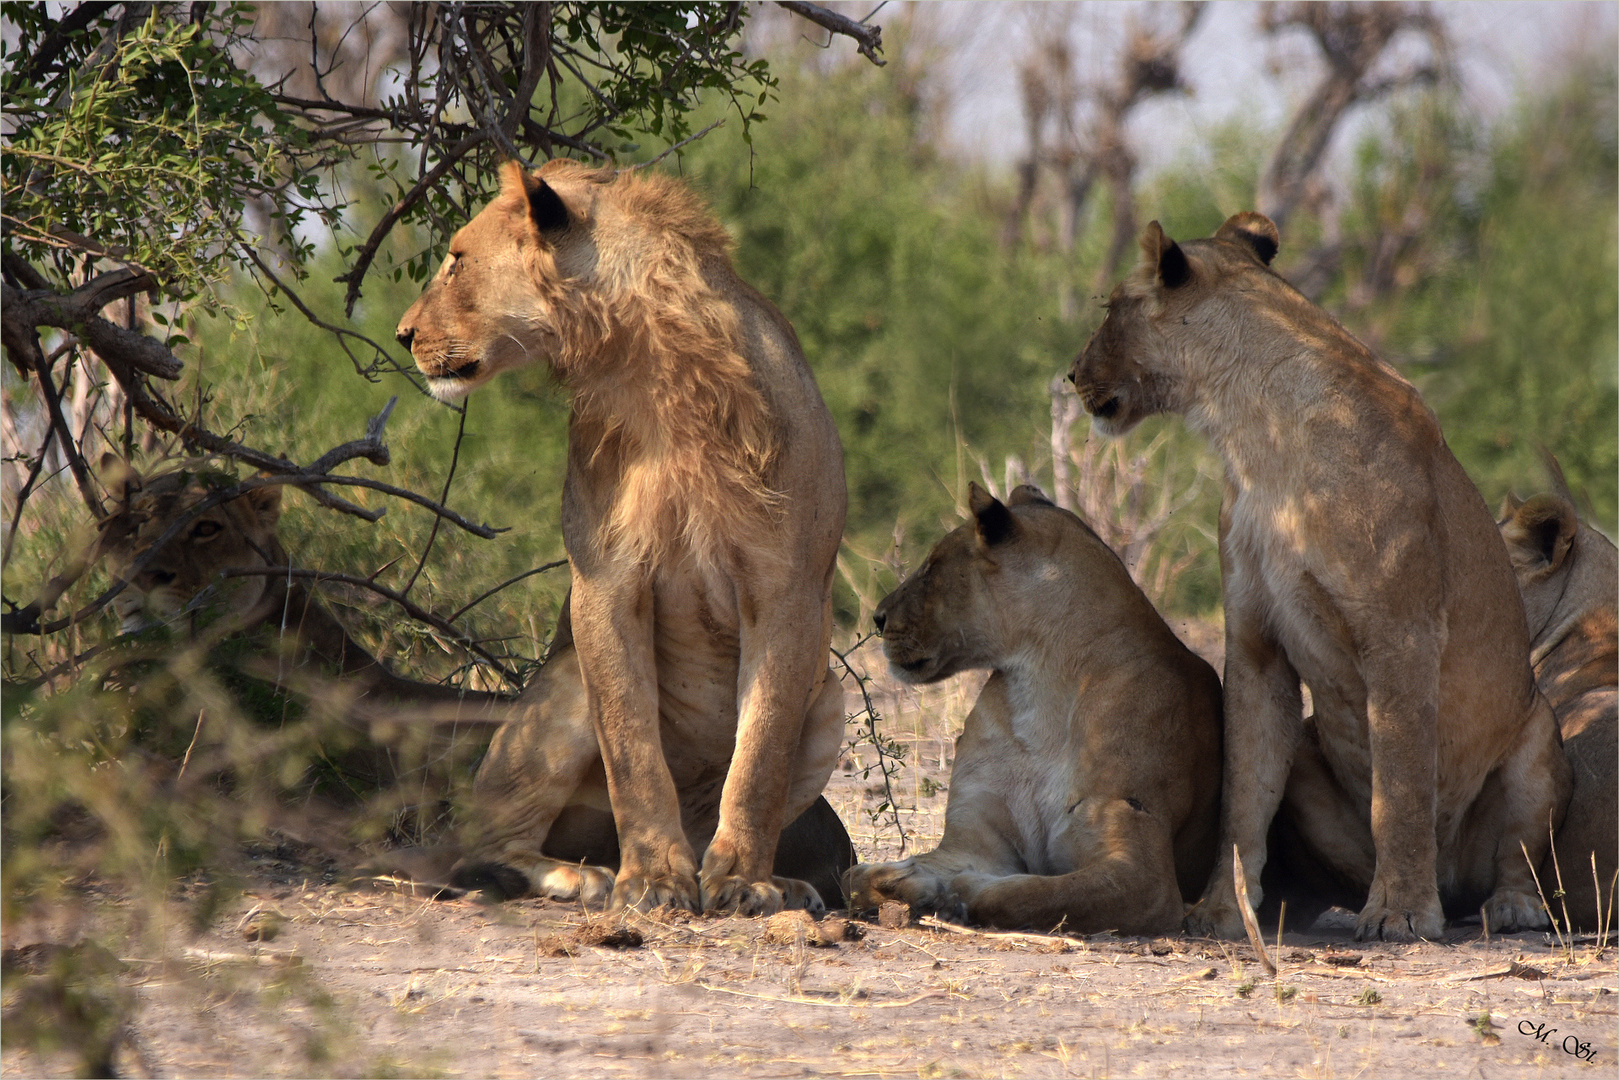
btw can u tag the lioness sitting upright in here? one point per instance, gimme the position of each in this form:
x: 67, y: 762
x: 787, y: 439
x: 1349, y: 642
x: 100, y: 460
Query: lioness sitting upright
x: 1569, y: 576
x: 702, y: 511
x: 1087, y: 776
x: 1357, y: 556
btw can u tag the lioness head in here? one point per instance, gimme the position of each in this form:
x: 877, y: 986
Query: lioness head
x: 1135, y: 363
x: 184, y: 574
x: 984, y: 586
x: 1562, y: 567
x: 540, y: 273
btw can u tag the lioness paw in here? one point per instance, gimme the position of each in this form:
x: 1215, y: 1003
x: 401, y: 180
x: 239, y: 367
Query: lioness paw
x: 590, y: 885
x: 1512, y: 909
x: 1210, y: 919
x: 869, y: 884
x: 736, y: 895
x: 1377, y: 922
x: 800, y: 896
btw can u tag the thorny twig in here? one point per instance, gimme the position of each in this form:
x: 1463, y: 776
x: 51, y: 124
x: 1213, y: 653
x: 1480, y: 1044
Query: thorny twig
x: 890, y: 755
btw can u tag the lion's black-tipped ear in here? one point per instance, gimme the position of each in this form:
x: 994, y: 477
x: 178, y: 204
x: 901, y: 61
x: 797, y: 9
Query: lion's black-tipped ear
x: 545, y: 207
x: 1164, y: 257
x: 1256, y: 231
x: 995, y: 522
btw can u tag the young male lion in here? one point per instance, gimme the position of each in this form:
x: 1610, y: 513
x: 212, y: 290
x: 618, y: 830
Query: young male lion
x: 1568, y: 574
x: 1356, y: 555
x: 1088, y: 772
x: 702, y: 511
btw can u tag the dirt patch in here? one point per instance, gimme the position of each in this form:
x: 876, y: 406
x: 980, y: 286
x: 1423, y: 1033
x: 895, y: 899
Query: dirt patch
x: 312, y: 972
x: 369, y: 980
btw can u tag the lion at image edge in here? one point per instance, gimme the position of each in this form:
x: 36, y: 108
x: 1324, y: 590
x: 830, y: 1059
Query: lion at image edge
x: 1358, y: 557
x: 702, y: 511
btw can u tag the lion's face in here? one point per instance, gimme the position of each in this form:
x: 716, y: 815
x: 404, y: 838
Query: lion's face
x: 1134, y: 364
x: 184, y: 575
x: 490, y: 307
x: 952, y: 615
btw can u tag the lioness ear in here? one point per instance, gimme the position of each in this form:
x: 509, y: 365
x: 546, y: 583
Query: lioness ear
x: 1254, y: 230
x: 118, y: 476
x: 545, y: 207
x: 1541, y: 532
x: 1164, y: 257
x: 995, y: 523
x: 1024, y: 494
x: 266, y: 502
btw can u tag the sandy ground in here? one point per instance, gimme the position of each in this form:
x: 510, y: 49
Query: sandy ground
x: 316, y: 972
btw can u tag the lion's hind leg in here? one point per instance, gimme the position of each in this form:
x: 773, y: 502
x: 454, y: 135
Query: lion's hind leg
x: 1125, y: 881
x: 541, y: 785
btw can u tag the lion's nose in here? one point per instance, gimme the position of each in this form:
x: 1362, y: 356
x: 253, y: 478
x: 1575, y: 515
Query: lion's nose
x: 405, y: 335
x: 879, y: 617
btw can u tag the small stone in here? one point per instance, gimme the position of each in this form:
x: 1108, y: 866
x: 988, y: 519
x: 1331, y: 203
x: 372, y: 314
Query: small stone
x: 265, y: 926
x: 893, y: 915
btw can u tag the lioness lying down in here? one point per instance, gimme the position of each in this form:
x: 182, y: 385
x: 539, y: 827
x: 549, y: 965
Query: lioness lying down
x: 1087, y: 776
x: 1356, y: 555
x: 1569, y: 576
x: 387, y: 719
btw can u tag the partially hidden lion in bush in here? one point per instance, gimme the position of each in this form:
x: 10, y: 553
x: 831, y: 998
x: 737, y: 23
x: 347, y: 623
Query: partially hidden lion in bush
x: 1568, y: 574
x: 1356, y: 555
x: 702, y: 511
x: 190, y: 581
x: 528, y: 811
x: 1086, y: 785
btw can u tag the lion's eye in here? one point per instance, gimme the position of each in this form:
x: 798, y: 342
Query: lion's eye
x: 452, y: 263
x: 203, y: 530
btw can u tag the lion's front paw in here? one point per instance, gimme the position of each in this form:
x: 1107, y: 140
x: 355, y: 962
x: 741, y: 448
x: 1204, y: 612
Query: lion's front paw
x: 1390, y: 920
x: 1513, y: 909
x: 1216, y: 919
x: 643, y: 892
x: 869, y: 884
x: 592, y: 886
x: 738, y: 895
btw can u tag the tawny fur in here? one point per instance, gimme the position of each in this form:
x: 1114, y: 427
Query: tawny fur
x: 1086, y: 783
x: 1358, y: 556
x: 702, y: 511
x: 1568, y: 574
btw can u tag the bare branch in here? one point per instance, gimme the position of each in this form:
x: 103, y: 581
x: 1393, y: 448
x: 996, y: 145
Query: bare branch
x: 368, y: 252
x: 78, y: 311
x: 470, y: 604
x: 869, y: 39
x: 415, y: 611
